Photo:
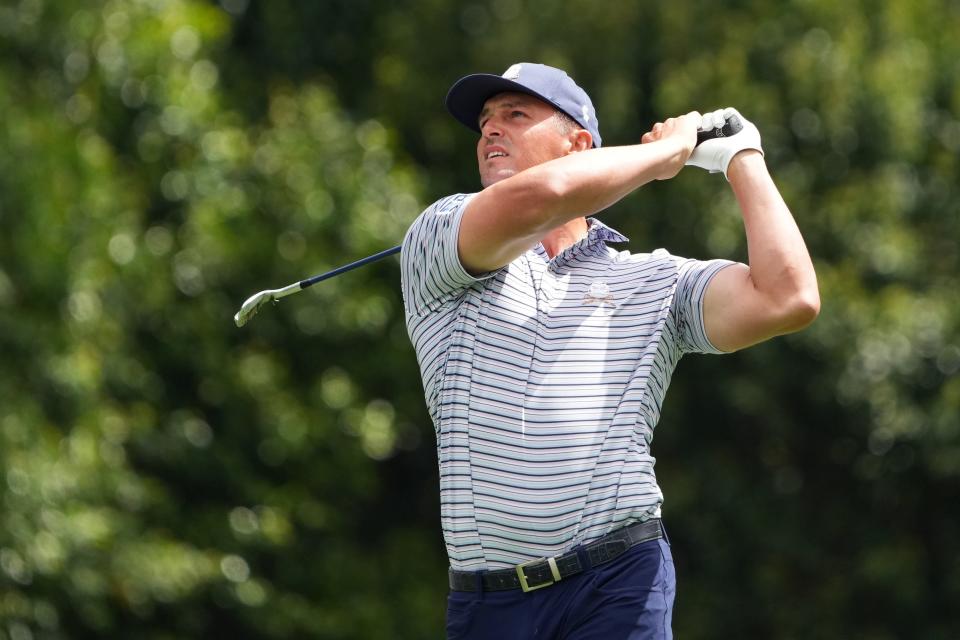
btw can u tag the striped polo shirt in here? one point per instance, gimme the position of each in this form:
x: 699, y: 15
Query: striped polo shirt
x: 544, y: 380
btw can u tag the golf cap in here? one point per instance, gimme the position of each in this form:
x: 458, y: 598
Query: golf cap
x: 468, y: 94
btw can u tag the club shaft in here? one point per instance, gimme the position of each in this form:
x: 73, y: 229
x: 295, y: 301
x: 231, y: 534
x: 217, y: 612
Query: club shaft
x: 347, y: 267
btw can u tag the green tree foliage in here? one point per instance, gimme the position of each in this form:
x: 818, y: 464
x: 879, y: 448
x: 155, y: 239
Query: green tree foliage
x: 166, y: 475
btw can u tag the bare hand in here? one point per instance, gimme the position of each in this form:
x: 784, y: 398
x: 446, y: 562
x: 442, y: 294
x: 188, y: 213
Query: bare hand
x: 681, y: 133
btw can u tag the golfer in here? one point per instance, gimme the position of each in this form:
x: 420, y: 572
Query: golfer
x: 546, y: 350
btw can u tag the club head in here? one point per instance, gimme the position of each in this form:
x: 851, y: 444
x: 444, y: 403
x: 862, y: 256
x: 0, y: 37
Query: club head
x: 257, y: 300
x: 252, y: 304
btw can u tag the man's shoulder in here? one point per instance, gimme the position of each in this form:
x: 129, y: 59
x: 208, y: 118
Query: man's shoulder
x: 447, y: 204
x: 436, y: 217
x: 438, y: 212
x: 452, y: 201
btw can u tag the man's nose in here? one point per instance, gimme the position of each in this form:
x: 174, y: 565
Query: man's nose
x: 490, y: 129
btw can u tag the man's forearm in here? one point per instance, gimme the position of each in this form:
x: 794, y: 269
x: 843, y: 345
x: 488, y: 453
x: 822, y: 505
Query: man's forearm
x: 780, y: 265
x: 582, y: 184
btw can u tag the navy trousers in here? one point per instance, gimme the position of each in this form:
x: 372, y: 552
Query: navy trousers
x: 628, y: 598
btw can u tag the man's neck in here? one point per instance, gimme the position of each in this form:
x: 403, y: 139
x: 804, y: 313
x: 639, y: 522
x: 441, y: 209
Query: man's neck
x: 564, y: 236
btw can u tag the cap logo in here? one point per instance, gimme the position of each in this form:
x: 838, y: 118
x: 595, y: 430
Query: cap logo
x: 513, y: 73
x: 586, y: 114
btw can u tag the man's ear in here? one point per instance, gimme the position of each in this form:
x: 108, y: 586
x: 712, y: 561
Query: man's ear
x: 581, y: 140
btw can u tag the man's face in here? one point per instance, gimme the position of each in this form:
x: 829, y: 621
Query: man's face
x: 517, y: 132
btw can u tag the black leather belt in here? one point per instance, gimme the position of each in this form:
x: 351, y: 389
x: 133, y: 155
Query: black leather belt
x: 544, y: 572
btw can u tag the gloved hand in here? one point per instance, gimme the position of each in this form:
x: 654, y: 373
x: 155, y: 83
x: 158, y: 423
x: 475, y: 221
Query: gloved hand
x: 715, y: 155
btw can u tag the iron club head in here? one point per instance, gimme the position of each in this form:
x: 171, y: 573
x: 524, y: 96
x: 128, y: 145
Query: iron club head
x: 257, y: 300
x: 252, y: 304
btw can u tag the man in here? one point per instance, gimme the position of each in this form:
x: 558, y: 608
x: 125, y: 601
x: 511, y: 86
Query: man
x: 545, y: 353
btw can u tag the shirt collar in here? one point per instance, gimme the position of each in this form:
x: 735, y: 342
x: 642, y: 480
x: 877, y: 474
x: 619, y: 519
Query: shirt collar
x: 596, y: 230
x: 597, y: 234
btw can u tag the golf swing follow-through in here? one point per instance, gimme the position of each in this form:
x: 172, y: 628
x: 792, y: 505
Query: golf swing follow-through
x: 253, y: 304
x: 545, y: 353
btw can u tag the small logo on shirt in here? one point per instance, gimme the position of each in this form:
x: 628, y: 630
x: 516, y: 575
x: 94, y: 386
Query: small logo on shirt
x: 599, y: 293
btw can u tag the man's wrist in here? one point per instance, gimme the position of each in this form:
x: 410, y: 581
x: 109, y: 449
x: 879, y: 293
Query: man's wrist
x: 675, y: 154
x: 744, y: 160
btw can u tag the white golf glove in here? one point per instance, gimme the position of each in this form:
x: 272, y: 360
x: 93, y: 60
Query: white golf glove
x: 715, y: 155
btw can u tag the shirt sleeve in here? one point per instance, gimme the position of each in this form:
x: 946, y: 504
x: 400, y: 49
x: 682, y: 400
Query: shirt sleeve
x: 431, y: 272
x: 692, y: 280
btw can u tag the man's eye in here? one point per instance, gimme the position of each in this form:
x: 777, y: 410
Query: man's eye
x: 517, y: 114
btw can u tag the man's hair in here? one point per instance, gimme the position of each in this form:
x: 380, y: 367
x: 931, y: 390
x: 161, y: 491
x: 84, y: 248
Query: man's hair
x: 565, y: 124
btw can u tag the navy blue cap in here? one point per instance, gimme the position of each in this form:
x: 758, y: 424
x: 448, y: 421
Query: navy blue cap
x: 466, y: 97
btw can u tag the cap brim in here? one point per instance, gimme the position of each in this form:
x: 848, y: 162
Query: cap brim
x: 468, y: 94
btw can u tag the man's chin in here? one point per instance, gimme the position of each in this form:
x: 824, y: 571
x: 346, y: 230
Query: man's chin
x: 495, y: 177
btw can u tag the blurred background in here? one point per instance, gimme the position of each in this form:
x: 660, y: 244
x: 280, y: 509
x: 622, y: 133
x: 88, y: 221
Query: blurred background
x: 164, y: 474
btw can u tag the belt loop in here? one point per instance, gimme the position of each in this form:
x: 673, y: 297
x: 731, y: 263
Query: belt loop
x: 478, y: 581
x: 663, y: 531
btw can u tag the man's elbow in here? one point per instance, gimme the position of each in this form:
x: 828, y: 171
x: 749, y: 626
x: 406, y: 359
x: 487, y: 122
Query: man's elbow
x: 802, y: 309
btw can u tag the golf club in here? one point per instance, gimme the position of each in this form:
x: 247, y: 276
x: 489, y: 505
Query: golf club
x: 252, y: 304
x: 257, y: 300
